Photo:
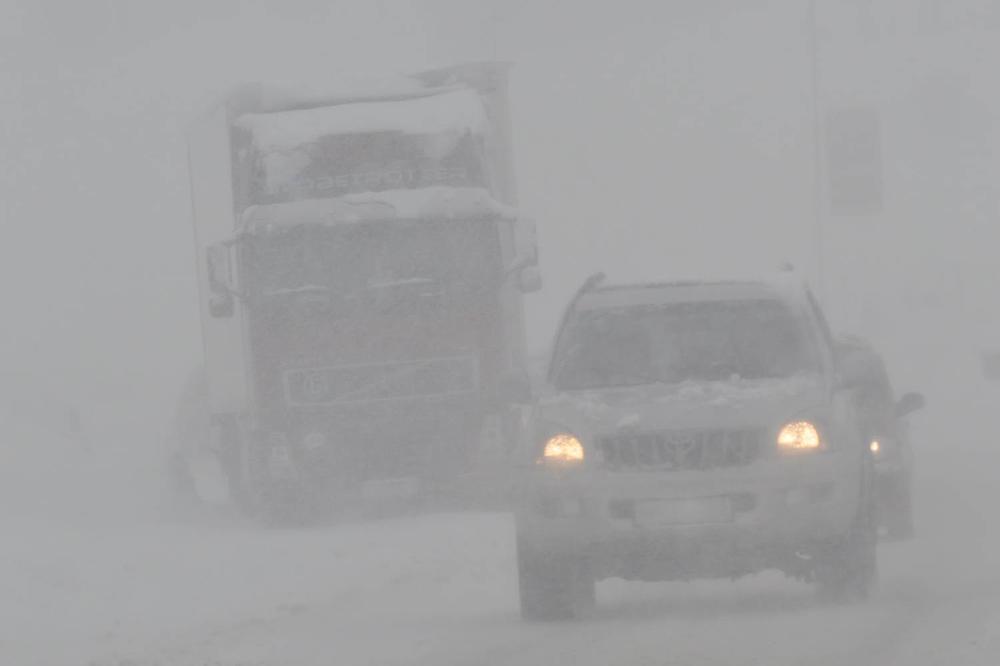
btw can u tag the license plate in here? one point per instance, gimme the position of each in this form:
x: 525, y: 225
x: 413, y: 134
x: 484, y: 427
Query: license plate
x: 701, y: 511
x: 390, y: 489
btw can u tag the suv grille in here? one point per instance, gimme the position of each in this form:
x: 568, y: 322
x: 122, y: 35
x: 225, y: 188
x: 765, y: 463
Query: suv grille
x: 682, y: 449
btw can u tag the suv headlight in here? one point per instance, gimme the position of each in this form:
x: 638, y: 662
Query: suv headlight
x: 799, y: 436
x: 562, y: 448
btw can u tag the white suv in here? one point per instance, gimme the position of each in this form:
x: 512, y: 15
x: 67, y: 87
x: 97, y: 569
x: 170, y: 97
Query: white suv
x: 693, y: 430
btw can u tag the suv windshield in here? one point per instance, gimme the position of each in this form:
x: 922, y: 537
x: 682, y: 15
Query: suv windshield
x: 698, y: 341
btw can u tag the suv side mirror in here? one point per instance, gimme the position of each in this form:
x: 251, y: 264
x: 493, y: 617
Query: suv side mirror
x: 515, y: 388
x: 909, y: 403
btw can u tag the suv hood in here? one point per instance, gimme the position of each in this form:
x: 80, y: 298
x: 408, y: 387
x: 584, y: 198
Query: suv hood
x: 689, y: 405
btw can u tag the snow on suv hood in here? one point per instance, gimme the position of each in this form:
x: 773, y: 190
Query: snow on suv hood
x: 723, y: 404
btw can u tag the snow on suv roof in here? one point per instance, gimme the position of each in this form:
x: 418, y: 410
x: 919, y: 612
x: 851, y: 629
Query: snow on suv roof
x: 661, y: 293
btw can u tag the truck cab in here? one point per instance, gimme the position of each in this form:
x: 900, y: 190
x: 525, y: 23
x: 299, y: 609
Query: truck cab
x: 362, y: 277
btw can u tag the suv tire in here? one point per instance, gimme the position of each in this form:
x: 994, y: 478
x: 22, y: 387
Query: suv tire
x: 847, y: 570
x: 553, y: 586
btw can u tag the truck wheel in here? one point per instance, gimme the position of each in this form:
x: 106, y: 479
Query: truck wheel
x: 551, y: 586
x: 848, y: 569
x: 233, y: 459
x: 283, y: 505
x: 899, y: 512
x: 181, y: 479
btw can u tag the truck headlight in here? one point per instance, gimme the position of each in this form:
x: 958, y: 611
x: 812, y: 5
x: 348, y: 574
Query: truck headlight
x: 799, y: 436
x: 562, y: 448
x: 314, y: 441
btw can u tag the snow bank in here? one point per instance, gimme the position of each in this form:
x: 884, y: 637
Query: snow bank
x: 430, y: 202
x: 175, y: 594
x: 456, y: 112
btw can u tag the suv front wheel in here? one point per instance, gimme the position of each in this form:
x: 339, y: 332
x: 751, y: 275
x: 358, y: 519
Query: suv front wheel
x: 553, y: 586
x: 847, y: 570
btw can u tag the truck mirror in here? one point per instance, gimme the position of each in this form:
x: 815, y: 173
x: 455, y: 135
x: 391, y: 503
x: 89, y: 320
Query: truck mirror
x: 529, y: 279
x: 220, y: 284
x: 221, y: 306
x: 219, y: 269
x: 526, y: 241
x: 909, y: 403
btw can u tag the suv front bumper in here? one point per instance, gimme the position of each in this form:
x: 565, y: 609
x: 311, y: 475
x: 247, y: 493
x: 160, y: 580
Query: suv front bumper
x: 774, y: 513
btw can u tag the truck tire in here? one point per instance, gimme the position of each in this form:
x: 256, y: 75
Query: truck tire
x: 181, y: 479
x: 232, y: 456
x: 551, y: 586
x: 284, y: 505
x: 847, y: 570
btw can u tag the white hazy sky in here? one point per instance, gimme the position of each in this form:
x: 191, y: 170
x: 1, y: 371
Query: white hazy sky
x: 652, y: 139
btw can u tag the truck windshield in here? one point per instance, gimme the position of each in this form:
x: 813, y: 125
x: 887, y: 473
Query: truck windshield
x: 700, y: 341
x: 331, y: 166
x: 377, y: 262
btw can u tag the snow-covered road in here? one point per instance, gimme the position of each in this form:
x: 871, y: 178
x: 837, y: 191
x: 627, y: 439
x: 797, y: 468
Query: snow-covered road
x: 440, y: 589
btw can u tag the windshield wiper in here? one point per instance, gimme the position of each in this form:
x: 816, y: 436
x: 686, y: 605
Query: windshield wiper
x: 403, y: 282
x: 301, y: 289
x: 619, y: 381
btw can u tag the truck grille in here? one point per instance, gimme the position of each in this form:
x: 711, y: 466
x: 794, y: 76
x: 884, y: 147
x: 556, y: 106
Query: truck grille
x: 681, y: 449
x: 425, y: 378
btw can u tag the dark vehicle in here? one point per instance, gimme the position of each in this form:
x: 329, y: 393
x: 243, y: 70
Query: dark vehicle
x: 693, y: 430
x: 887, y: 433
x: 362, y: 271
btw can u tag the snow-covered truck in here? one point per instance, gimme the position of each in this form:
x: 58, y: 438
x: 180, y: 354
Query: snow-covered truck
x: 361, y: 267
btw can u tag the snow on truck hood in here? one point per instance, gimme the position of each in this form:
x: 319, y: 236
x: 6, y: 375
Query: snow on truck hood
x: 440, y: 202
x: 458, y: 111
x: 737, y: 403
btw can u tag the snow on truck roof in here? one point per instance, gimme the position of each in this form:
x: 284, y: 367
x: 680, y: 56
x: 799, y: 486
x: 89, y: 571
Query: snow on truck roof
x: 457, y: 111
x: 662, y: 293
x: 272, y: 96
x: 425, y: 203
